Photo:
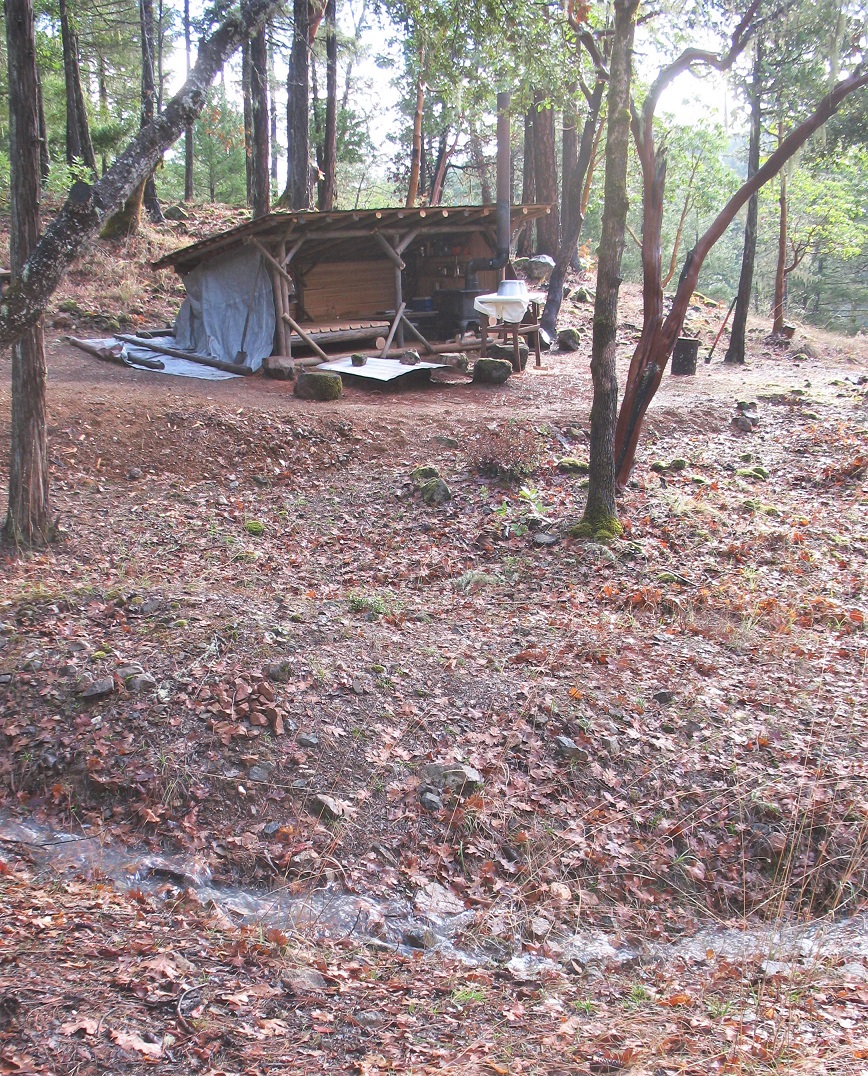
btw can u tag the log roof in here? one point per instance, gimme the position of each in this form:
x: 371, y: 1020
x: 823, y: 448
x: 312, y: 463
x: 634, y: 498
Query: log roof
x: 341, y: 234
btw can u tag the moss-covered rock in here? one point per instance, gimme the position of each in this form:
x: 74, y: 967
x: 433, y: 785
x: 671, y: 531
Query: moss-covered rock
x: 492, y: 371
x: 506, y: 352
x: 569, y: 339
x: 435, y: 492
x: 753, y: 472
x: 570, y: 465
x: 422, y: 474
x: 318, y: 385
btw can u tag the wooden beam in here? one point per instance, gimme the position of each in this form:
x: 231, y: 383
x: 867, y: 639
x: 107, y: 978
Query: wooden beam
x: 278, y: 286
x: 272, y: 261
x: 309, y: 340
x: 287, y: 258
x: 390, y: 253
x: 393, y: 330
x: 176, y: 353
x: 402, y: 245
x: 418, y: 335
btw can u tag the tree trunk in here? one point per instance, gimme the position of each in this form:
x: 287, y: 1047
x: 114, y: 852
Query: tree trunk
x: 78, y: 144
x: 444, y: 156
x: 330, y: 142
x: 527, y: 238
x: 149, y: 99
x: 480, y: 166
x: 260, y: 177
x: 656, y: 344
x: 570, y: 199
x: 416, y: 146
x: 600, y: 517
x: 546, y: 177
x: 736, y: 350
x: 188, y: 130
x: 574, y: 182
x: 28, y: 514
x: 88, y: 207
x: 44, y: 156
x: 247, y: 114
x: 779, y: 310
x: 297, y: 193
x: 272, y: 112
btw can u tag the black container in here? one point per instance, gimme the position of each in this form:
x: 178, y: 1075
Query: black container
x: 684, y: 355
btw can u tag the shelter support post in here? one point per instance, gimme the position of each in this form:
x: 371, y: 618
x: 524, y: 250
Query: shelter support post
x: 392, y: 330
x: 309, y: 340
x: 277, y: 286
x: 415, y: 332
x: 399, y: 304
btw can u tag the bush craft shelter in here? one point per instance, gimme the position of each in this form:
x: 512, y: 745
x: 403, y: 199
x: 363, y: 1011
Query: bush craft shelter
x: 331, y: 282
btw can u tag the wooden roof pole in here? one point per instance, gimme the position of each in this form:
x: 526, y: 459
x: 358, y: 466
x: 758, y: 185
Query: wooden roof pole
x: 278, y: 286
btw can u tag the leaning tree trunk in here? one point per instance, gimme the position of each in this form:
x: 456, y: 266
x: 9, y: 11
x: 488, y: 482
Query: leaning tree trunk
x: 736, y: 350
x: 527, y: 237
x: 28, y: 515
x: 330, y: 142
x: 657, y: 341
x: 574, y: 183
x: 259, y: 175
x: 600, y: 519
x: 78, y: 144
x: 546, y: 177
x: 88, y: 207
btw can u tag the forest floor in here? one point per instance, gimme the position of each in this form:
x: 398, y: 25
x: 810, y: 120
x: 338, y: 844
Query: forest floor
x: 515, y: 803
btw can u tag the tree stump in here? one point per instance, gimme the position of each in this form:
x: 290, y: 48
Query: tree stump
x: 684, y: 356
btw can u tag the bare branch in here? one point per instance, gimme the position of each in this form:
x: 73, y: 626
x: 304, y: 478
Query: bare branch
x: 691, y: 57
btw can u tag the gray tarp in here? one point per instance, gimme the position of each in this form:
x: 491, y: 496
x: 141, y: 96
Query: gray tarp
x: 219, y: 294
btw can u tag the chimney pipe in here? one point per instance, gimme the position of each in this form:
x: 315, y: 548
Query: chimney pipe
x: 504, y: 227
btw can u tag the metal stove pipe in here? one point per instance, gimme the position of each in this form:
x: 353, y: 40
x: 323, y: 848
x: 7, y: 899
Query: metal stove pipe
x: 504, y: 228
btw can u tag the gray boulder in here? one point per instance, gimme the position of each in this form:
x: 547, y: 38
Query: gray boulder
x: 539, y: 269
x: 279, y: 367
x: 491, y: 371
x: 569, y: 339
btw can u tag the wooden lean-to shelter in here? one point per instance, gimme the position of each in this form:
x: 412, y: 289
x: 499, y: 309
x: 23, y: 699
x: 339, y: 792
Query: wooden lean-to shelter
x: 334, y: 282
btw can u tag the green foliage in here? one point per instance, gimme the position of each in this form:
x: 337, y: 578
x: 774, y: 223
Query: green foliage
x: 218, y: 154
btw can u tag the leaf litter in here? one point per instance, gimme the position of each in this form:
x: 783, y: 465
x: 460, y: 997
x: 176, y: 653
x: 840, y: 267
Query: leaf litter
x: 590, y: 750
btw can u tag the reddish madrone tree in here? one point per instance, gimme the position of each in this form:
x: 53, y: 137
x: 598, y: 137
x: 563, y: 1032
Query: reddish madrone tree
x: 659, y: 332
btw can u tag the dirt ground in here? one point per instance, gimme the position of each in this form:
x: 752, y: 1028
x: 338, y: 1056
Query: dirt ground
x: 662, y: 735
